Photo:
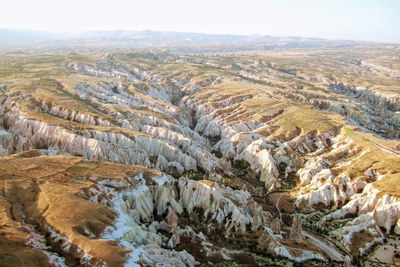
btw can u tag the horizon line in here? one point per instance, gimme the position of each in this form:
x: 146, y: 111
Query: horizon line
x: 191, y: 32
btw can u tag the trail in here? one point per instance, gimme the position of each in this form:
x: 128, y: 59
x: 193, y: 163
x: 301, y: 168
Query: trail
x: 329, y: 250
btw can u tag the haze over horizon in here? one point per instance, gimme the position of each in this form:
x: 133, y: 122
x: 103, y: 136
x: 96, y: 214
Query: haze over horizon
x: 368, y: 20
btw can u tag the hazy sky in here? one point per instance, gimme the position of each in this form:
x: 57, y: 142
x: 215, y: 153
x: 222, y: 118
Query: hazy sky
x: 374, y: 20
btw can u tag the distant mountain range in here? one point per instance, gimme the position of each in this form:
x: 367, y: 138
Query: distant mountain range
x: 28, y: 38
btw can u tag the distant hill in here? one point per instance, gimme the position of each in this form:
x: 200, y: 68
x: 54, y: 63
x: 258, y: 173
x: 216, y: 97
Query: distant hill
x: 27, y: 38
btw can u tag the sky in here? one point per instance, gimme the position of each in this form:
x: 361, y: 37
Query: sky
x: 368, y: 20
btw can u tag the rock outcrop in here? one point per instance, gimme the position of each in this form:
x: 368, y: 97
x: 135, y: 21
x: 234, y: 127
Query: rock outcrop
x: 181, y: 159
x: 296, y: 233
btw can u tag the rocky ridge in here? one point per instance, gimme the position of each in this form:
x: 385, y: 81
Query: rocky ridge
x: 227, y: 147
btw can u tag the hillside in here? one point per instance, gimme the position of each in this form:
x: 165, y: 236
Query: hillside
x: 195, y: 155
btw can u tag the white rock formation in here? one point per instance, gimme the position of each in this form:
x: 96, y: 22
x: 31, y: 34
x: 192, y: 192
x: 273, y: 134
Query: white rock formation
x: 93, y: 145
x: 37, y: 241
x: 152, y: 255
x: 136, y: 199
x: 105, y: 93
x: 372, y: 212
x: 216, y: 202
x: 134, y: 227
x: 232, y: 146
x: 261, y: 161
x: 73, y: 115
x: 203, y: 158
x: 106, y: 70
x: 318, y: 183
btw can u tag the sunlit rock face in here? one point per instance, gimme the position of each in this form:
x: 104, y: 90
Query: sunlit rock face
x: 381, y: 109
x: 170, y: 158
x: 149, y: 218
x: 92, y: 145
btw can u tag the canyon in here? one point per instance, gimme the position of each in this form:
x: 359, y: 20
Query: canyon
x: 200, y: 156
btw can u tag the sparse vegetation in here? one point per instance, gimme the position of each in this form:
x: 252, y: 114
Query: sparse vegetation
x: 273, y: 129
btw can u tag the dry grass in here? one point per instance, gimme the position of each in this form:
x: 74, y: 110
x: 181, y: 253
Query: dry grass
x: 43, y: 191
x: 372, y: 155
x: 261, y: 105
